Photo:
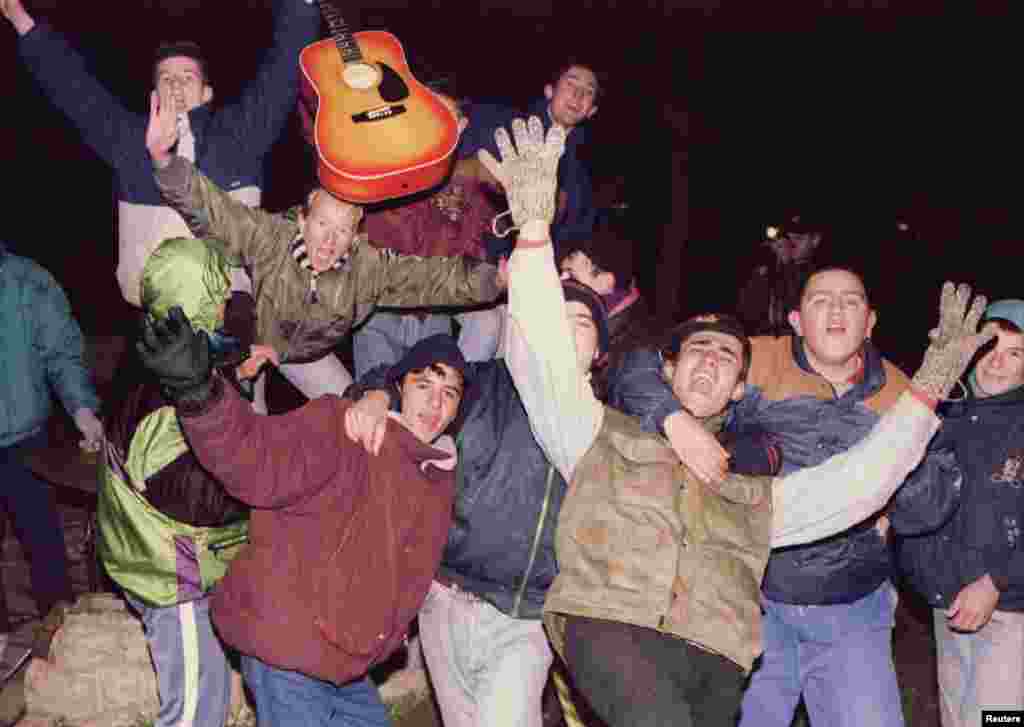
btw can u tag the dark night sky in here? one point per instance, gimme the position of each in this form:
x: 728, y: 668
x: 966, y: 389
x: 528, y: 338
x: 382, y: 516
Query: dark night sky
x: 864, y: 112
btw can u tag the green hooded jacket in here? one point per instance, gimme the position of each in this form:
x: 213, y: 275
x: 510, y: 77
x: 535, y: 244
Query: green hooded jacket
x: 157, y: 557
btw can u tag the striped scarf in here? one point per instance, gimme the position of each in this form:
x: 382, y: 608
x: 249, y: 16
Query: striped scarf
x: 301, y: 256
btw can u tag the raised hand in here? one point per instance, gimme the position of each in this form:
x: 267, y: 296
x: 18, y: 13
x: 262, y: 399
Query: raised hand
x: 179, y: 357
x: 162, y: 131
x: 953, y: 343
x: 15, y: 12
x: 529, y: 170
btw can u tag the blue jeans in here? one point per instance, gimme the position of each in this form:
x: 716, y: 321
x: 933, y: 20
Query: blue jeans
x: 839, y: 657
x: 289, y: 699
x: 192, y: 671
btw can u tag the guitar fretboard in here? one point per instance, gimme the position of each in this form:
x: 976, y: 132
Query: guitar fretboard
x: 341, y: 33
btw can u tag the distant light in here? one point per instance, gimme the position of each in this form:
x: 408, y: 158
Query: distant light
x: 902, y: 227
x: 772, y: 232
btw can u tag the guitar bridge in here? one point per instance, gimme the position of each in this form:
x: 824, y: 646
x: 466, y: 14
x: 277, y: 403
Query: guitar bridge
x: 379, y: 114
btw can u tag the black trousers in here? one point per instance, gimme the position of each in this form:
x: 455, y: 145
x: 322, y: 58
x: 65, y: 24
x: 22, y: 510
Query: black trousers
x: 638, y: 677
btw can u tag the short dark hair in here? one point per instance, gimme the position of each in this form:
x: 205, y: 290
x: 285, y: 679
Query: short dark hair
x: 609, y: 250
x: 828, y: 267
x: 599, y: 76
x: 181, y: 49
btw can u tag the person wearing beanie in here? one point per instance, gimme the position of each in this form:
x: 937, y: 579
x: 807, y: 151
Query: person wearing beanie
x: 606, y: 262
x: 971, y: 569
x: 480, y: 627
x: 655, y: 608
x: 343, y: 544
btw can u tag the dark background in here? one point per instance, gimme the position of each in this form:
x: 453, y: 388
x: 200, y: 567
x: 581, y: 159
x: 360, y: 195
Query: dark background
x: 718, y: 118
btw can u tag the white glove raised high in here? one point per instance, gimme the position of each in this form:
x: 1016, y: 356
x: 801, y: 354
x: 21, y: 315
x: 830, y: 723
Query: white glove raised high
x: 528, y: 171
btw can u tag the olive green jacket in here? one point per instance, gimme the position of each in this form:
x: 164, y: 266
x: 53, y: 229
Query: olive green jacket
x: 300, y: 326
x: 641, y: 541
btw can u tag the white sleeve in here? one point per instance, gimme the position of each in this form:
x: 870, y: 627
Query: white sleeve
x: 829, y: 498
x: 540, y: 353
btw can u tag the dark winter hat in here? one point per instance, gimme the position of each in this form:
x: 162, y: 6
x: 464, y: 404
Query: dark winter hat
x: 578, y: 291
x: 439, y: 348
x: 720, y: 323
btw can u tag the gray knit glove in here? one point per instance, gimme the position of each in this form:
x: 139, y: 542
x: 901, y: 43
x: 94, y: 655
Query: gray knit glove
x: 953, y: 343
x: 529, y: 170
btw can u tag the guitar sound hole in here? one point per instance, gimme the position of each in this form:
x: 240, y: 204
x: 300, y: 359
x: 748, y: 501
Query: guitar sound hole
x: 360, y: 76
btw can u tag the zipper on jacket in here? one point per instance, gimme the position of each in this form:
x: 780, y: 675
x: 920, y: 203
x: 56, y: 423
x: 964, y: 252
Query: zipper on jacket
x: 536, y: 542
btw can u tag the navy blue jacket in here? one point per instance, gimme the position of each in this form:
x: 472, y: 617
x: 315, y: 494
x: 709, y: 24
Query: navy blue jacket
x: 573, y: 177
x: 231, y: 140
x: 984, y: 535
x: 786, y: 399
x: 507, y: 495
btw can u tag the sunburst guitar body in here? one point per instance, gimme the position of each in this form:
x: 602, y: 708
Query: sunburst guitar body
x: 378, y: 132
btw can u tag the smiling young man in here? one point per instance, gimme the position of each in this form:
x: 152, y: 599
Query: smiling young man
x: 343, y: 545
x: 655, y: 607
x: 971, y: 570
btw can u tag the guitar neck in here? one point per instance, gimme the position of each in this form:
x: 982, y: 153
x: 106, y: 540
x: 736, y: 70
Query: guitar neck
x: 341, y: 33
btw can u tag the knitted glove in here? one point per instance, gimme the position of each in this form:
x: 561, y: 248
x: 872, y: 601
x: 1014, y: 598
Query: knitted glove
x: 179, y: 357
x: 529, y: 175
x: 953, y: 343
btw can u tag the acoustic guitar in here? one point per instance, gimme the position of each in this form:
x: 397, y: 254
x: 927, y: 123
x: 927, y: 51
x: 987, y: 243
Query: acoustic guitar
x: 378, y: 132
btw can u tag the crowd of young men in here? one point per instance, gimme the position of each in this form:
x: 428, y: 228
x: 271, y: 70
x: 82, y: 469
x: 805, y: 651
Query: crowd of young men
x: 557, y: 523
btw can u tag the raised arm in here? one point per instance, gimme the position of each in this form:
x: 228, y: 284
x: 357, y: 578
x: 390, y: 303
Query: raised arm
x: 540, y: 354
x: 263, y: 461
x: 410, y: 281
x: 113, y: 132
x: 268, y: 99
x: 208, y: 210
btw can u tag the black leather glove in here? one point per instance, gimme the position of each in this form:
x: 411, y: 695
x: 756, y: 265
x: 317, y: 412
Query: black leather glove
x: 179, y: 357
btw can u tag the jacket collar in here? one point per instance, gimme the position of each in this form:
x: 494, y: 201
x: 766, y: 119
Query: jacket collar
x: 199, y: 119
x: 957, y: 406
x: 868, y: 382
x: 576, y: 136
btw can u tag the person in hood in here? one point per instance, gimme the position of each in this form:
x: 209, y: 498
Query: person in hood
x: 167, y: 527
x: 343, y: 543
